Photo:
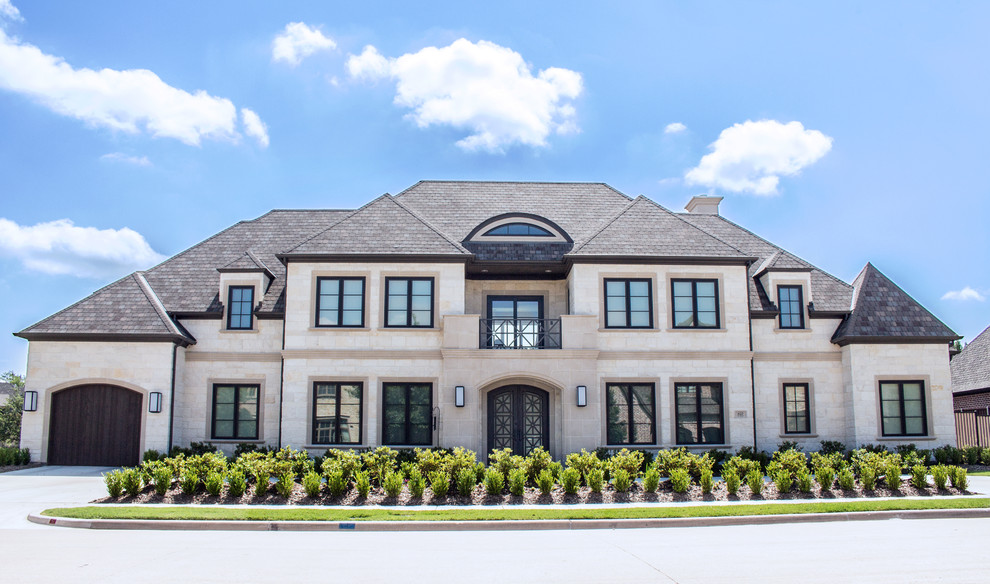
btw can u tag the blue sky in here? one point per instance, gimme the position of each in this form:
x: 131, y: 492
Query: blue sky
x: 844, y: 132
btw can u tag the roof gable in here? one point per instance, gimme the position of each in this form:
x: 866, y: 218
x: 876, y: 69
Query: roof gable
x: 882, y: 312
x: 971, y: 367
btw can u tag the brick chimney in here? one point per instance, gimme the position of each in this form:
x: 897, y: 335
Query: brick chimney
x: 703, y: 205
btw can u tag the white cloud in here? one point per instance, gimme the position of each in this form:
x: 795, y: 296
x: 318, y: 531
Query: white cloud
x: 9, y: 11
x: 59, y: 247
x: 298, y: 41
x: 966, y: 293
x: 121, y: 157
x: 131, y: 101
x: 752, y: 156
x: 484, y: 88
x: 254, y: 127
x: 674, y: 128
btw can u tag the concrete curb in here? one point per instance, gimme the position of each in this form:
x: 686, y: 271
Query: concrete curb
x: 502, y: 525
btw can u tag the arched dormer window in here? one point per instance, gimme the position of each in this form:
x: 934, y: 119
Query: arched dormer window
x: 519, y: 229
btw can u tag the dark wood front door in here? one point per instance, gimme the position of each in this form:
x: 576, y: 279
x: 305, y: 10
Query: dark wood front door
x: 95, y: 425
x: 518, y: 418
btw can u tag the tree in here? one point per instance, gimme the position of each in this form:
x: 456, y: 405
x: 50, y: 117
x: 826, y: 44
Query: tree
x: 11, y: 410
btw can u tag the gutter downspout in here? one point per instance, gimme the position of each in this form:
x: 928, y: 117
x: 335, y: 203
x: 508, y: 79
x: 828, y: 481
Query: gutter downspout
x: 171, y: 399
x: 752, y: 363
x: 281, y: 383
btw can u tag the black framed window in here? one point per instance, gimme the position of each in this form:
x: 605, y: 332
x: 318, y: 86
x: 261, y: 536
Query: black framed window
x: 631, y: 413
x: 340, y: 302
x: 240, y: 307
x: 407, y: 410
x: 695, y: 303
x: 628, y: 303
x: 797, y: 408
x: 235, y: 412
x: 337, y: 410
x: 903, y: 410
x: 519, y: 229
x: 699, y: 413
x: 789, y: 299
x: 409, y: 302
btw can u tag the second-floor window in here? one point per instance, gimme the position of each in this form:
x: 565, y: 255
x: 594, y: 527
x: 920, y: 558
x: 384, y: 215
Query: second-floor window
x: 340, y: 302
x: 791, y: 307
x: 409, y: 302
x: 628, y: 303
x: 695, y: 303
x: 240, y: 303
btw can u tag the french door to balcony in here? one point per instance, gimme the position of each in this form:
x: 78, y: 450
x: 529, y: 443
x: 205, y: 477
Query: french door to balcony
x: 516, y: 321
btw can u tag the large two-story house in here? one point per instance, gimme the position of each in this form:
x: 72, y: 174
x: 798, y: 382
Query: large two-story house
x: 487, y: 315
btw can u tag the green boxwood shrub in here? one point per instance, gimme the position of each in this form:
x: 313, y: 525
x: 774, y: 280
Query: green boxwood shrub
x: 782, y: 479
x: 731, y: 479
x: 847, y: 480
x: 584, y: 462
x: 919, y: 477
x: 494, y: 480
x: 651, y: 480
x: 892, y: 474
x: 570, y: 479
x: 392, y: 483
x: 114, y: 480
x: 379, y: 462
x: 940, y: 476
x: 337, y: 483
x: 754, y: 480
x: 133, y: 482
x: 628, y: 460
x: 162, y: 477
x: 285, y: 483
x: 417, y: 484
x: 440, y: 483
x: 503, y: 460
x: 517, y: 481
x: 537, y: 461
x: 312, y: 484
x: 467, y: 480
x: 958, y: 477
x: 545, y: 481
x: 706, y: 481
x: 362, y: 483
x: 804, y: 481
x: 213, y: 483
x: 596, y: 479
x: 188, y: 482
x: 621, y: 480
x: 825, y: 475
x: 236, y: 483
x: 868, y: 476
x: 680, y: 480
x: 261, y: 482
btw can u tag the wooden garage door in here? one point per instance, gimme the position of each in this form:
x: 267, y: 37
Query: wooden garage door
x: 95, y: 425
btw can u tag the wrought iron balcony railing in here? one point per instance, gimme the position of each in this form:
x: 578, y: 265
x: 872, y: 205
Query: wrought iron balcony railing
x: 520, y: 333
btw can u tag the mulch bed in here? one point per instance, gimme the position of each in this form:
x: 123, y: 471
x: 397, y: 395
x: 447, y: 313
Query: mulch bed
x: 11, y: 467
x: 532, y: 496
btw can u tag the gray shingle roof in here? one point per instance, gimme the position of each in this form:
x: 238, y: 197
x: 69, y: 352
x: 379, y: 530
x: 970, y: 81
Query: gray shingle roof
x: 882, y: 311
x: 247, y: 263
x: 6, y: 389
x: 971, y: 367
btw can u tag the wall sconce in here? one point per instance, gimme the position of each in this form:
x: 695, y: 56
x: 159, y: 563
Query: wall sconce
x: 582, y: 396
x: 155, y: 402
x: 30, y: 401
x: 459, y: 396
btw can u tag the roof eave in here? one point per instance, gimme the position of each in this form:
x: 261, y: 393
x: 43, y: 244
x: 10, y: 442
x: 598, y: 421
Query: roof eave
x: 893, y: 340
x: 654, y: 259
x: 396, y: 257
x: 106, y: 337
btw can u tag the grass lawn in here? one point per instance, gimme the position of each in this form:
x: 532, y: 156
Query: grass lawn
x: 985, y: 473
x: 473, y: 514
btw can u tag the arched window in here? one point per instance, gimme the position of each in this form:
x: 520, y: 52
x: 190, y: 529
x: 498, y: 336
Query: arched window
x: 519, y: 229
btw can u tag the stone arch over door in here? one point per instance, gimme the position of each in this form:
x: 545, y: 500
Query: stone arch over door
x: 95, y: 424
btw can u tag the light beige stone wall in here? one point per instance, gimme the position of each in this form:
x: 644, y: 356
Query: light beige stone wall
x: 554, y: 293
x: 815, y: 337
x: 212, y: 336
x: 865, y: 365
x: 823, y: 374
x: 141, y: 367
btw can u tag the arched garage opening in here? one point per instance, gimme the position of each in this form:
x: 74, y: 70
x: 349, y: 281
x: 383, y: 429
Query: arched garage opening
x: 95, y: 425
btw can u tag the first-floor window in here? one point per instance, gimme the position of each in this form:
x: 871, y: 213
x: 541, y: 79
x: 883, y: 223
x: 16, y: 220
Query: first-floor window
x: 902, y: 408
x: 631, y: 413
x: 235, y: 412
x: 797, y: 411
x: 337, y: 412
x: 699, y: 413
x: 407, y: 413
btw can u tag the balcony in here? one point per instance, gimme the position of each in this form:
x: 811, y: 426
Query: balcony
x: 519, y: 333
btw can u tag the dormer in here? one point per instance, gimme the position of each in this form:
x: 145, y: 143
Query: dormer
x: 518, y: 228
x: 243, y: 283
x: 787, y: 282
x: 518, y: 244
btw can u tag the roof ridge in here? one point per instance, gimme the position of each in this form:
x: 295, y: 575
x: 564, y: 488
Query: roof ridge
x: 607, y: 223
x: 335, y: 223
x: 436, y: 230
x: 156, y: 303
x: 257, y: 260
x: 516, y: 182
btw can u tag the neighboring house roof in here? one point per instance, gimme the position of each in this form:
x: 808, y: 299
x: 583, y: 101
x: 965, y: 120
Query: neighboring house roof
x: 7, y: 389
x: 971, y: 367
x: 433, y: 219
x: 881, y: 311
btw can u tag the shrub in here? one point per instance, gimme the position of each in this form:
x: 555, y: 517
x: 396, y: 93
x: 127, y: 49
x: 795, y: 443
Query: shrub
x: 957, y: 475
x: 284, y: 484
x: 114, y: 481
x: 379, y: 462
x: 312, y: 483
x: 584, y: 462
x: 494, y: 481
x: 517, y: 481
x: 847, y: 480
x: 948, y: 455
x: 668, y: 460
x: 731, y: 481
x: 754, y: 480
x: 868, y: 476
x: 741, y: 466
x: 825, y: 475
x: 466, y: 481
x: 162, y: 477
x: 213, y: 483
x: 504, y: 461
x: 151, y: 456
x: 680, y: 480
x: 628, y: 460
x: 460, y: 459
x: 348, y: 461
x: 830, y: 446
x: 651, y: 480
x: 596, y: 479
x: 392, y: 483
x: 440, y: 483
x: 940, y: 476
x: 362, y: 483
x: 545, y: 481
x: 261, y: 479
x: 782, y: 479
x: 336, y: 480
x: 985, y: 456
x: 919, y: 477
x: 706, y: 481
x: 892, y: 475
x: 570, y: 479
x: 132, y: 481
x: 621, y: 481
x: 417, y: 484
x: 537, y: 461
x: 787, y: 445
x: 556, y: 469
x: 188, y: 482
x: 431, y: 460
x: 750, y: 453
x: 236, y: 483
x: 804, y: 481
x: 791, y: 460
x: 972, y: 455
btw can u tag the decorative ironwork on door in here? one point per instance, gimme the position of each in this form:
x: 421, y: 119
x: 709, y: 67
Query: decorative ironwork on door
x: 518, y: 418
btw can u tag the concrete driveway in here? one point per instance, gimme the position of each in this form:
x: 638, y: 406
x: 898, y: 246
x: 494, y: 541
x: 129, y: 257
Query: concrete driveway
x: 35, y: 489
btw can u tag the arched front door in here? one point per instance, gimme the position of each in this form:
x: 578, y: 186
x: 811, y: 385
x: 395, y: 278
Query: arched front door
x: 95, y: 425
x: 518, y: 418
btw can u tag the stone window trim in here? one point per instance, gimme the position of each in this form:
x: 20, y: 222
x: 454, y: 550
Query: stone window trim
x: 255, y: 301
x: 782, y: 410
x: 211, y: 382
x: 720, y: 292
x: 384, y: 277
x: 784, y: 306
x: 341, y: 293
x: 433, y: 415
x: 481, y: 234
x: 926, y: 392
x: 603, y: 404
x: 310, y: 409
x: 695, y: 284
x: 239, y: 308
x: 628, y: 413
x: 805, y: 300
x: 673, y: 382
x: 314, y: 299
x: 654, y: 300
x: 626, y: 284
